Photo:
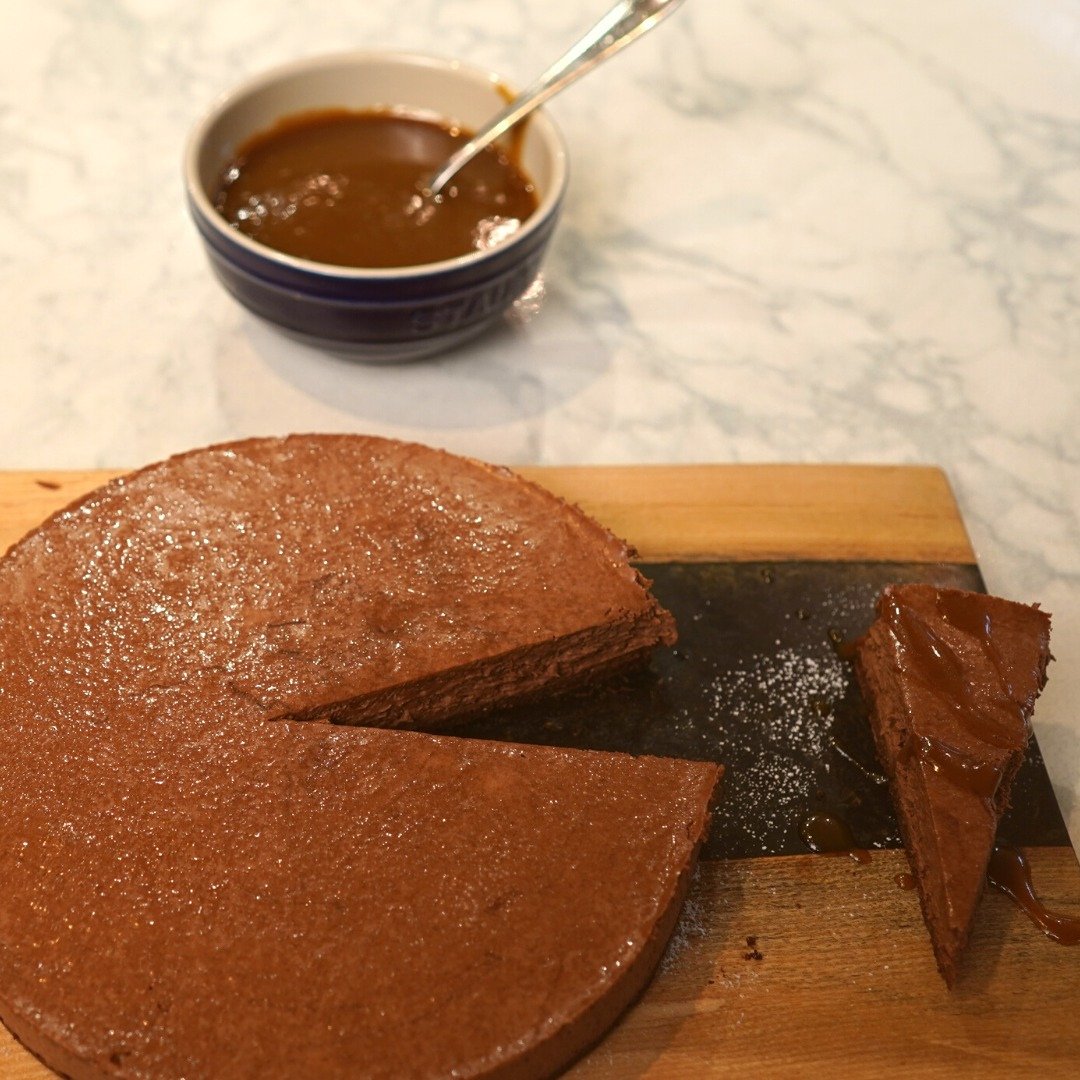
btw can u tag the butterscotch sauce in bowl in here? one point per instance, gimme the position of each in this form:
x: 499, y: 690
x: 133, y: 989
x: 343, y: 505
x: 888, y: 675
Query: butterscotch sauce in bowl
x: 303, y: 184
x: 341, y: 186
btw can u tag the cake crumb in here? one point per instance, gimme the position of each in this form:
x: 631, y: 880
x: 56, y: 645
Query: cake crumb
x: 752, y: 951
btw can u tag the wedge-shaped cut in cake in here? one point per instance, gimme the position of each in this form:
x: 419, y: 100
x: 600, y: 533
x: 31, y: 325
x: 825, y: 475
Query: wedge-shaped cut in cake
x: 951, y: 678
x: 196, y: 884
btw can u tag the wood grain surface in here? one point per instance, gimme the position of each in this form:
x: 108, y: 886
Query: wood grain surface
x: 846, y: 985
x: 734, y: 512
x: 792, y: 966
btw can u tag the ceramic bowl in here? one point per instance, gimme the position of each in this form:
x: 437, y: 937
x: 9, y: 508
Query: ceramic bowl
x: 378, y: 314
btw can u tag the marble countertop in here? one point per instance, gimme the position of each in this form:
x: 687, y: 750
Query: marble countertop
x: 845, y: 231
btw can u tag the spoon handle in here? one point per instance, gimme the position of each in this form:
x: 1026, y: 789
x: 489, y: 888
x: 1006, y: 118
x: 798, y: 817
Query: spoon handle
x: 624, y: 23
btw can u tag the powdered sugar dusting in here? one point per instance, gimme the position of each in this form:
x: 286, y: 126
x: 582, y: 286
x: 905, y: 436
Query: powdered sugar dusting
x: 691, y: 926
x: 789, y: 693
x: 758, y: 683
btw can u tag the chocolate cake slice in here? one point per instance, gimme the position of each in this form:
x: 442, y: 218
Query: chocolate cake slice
x: 951, y: 678
x: 341, y: 578
x: 197, y: 883
x: 210, y: 898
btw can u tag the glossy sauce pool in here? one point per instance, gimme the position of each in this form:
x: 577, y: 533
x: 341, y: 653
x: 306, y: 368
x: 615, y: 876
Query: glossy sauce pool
x: 341, y: 187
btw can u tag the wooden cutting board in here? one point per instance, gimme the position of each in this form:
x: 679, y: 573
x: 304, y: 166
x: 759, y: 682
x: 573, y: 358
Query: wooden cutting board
x: 787, y: 964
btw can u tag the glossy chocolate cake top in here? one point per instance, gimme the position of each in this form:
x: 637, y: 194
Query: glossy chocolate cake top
x: 330, y: 576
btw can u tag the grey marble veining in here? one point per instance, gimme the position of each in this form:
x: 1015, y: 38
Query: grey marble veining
x: 840, y: 231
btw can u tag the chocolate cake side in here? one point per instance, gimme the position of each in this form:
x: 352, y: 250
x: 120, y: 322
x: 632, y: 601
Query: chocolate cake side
x: 951, y: 679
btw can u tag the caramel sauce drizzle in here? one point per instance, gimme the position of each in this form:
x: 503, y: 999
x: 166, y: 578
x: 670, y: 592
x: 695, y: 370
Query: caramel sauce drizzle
x: 1010, y: 873
x: 825, y: 834
x: 990, y: 715
x: 981, y: 778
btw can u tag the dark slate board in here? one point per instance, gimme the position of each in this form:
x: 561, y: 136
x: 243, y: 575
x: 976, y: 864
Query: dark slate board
x: 758, y: 682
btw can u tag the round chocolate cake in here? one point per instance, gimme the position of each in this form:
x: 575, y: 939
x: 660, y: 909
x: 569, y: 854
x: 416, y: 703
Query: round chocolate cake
x: 204, y: 878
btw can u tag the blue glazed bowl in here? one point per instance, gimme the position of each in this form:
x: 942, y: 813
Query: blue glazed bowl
x: 380, y: 314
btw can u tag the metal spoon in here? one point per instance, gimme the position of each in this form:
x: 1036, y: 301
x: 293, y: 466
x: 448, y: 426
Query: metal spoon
x: 624, y: 23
